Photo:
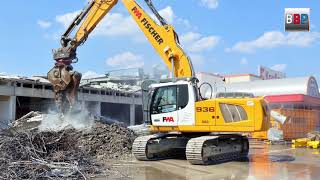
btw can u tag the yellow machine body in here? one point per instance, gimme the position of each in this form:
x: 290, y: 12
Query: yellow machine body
x: 211, y: 118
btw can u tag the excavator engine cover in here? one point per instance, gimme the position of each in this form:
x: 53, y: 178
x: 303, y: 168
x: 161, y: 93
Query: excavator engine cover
x: 59, y: 77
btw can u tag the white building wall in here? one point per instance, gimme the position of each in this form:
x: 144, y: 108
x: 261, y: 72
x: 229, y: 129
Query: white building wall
x: 7, y: 110
x: 241, y: 78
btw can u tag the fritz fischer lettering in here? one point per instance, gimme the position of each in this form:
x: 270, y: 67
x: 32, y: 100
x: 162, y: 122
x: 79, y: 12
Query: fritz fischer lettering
x: 148, y: 26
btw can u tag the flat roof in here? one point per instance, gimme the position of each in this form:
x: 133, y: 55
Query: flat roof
x: 293, y: 98
x: 240, y: 75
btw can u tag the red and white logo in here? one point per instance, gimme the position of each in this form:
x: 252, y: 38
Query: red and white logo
x: 168, y: 119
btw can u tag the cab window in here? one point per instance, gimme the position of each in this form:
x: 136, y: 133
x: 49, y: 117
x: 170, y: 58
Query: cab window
x: 164, y: 100
x: 183, y: 96
x: 169, y: 99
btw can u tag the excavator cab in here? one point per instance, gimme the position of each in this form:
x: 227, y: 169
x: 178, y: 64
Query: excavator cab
x: 172, y: 103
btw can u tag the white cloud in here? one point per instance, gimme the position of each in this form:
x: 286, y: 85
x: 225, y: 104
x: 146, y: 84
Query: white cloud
x: 204, y: 43
x: 116, y: 24
x: 167, y: 13
x: 123, y: 25
x: 244, y: 61
x: 302, y: 39
x: 126, y: 60
x: 160, y: 71
x: 66, y: 19
x: 211, y: 4
x: 197, y: 59
x: 190, y: 37
x: 2, y: 73
x: 195, y: 42
x: 113, y: 24
x: 279, y: 67
x: 91, y: 74
x: 44, y: 24
x: 274, y: 39
x: 186, y: 23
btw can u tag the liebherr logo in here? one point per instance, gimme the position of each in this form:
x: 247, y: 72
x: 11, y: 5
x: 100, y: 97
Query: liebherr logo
x: 148, y: 26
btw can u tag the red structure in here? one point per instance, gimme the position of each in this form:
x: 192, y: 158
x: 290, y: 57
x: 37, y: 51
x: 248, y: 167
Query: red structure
x: 302, y: 112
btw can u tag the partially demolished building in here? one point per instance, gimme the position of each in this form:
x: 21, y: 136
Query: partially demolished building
x: 20, y: 95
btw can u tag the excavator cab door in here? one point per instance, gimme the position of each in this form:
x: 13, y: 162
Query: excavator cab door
x: 173, y: 105
x: 147, y: 92
x: 164, y: 106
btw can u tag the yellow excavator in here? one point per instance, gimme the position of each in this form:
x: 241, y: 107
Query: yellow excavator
x: 185, y: 123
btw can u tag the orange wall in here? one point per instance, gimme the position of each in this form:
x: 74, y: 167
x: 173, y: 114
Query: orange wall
x: 298, y: 124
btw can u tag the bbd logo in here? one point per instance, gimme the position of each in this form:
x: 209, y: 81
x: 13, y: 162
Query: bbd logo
x: 297, y: 19
x: 168, y: 119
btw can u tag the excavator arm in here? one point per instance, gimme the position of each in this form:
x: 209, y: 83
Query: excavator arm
x: 64, y: 79
x: 162, y: 36
x: 89, y: 18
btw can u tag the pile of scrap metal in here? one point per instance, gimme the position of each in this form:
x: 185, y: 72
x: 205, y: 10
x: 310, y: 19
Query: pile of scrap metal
x: 312, y: 140
x: 27, y: 152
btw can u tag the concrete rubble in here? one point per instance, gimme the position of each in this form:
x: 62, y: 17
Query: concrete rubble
x: 28, y: 121
x: 117, y: 87
x: 29, y: 153
x: 37, y: 79
x: 141, y: 130
x: 108, y: 85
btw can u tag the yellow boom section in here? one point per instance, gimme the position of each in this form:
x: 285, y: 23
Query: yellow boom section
x: 98, y: 9
x: 163, y: 39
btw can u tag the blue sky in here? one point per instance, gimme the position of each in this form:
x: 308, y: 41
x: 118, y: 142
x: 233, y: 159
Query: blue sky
x: 223, y: 36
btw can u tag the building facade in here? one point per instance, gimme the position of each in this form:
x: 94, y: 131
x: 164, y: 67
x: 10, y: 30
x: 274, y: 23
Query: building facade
x: 18, y: 96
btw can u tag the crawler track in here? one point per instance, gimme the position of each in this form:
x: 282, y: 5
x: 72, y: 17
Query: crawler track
x: 159, y: 146
x: 201, y: 150
x: 216, y: 149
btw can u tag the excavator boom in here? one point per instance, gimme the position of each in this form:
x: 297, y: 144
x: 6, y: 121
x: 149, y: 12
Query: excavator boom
x: 163, y: 38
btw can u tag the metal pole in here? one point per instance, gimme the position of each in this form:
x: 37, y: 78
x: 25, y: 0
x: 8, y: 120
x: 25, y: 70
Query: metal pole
x: 172, y: 63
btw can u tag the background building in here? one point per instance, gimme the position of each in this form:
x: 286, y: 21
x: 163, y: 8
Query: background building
x: 297, y: 99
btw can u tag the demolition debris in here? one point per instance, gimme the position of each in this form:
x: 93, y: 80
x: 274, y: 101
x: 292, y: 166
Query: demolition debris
x: 76, y: 154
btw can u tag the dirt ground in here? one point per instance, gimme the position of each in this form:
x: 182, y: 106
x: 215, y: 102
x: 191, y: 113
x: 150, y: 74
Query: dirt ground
x: 264, y: 162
